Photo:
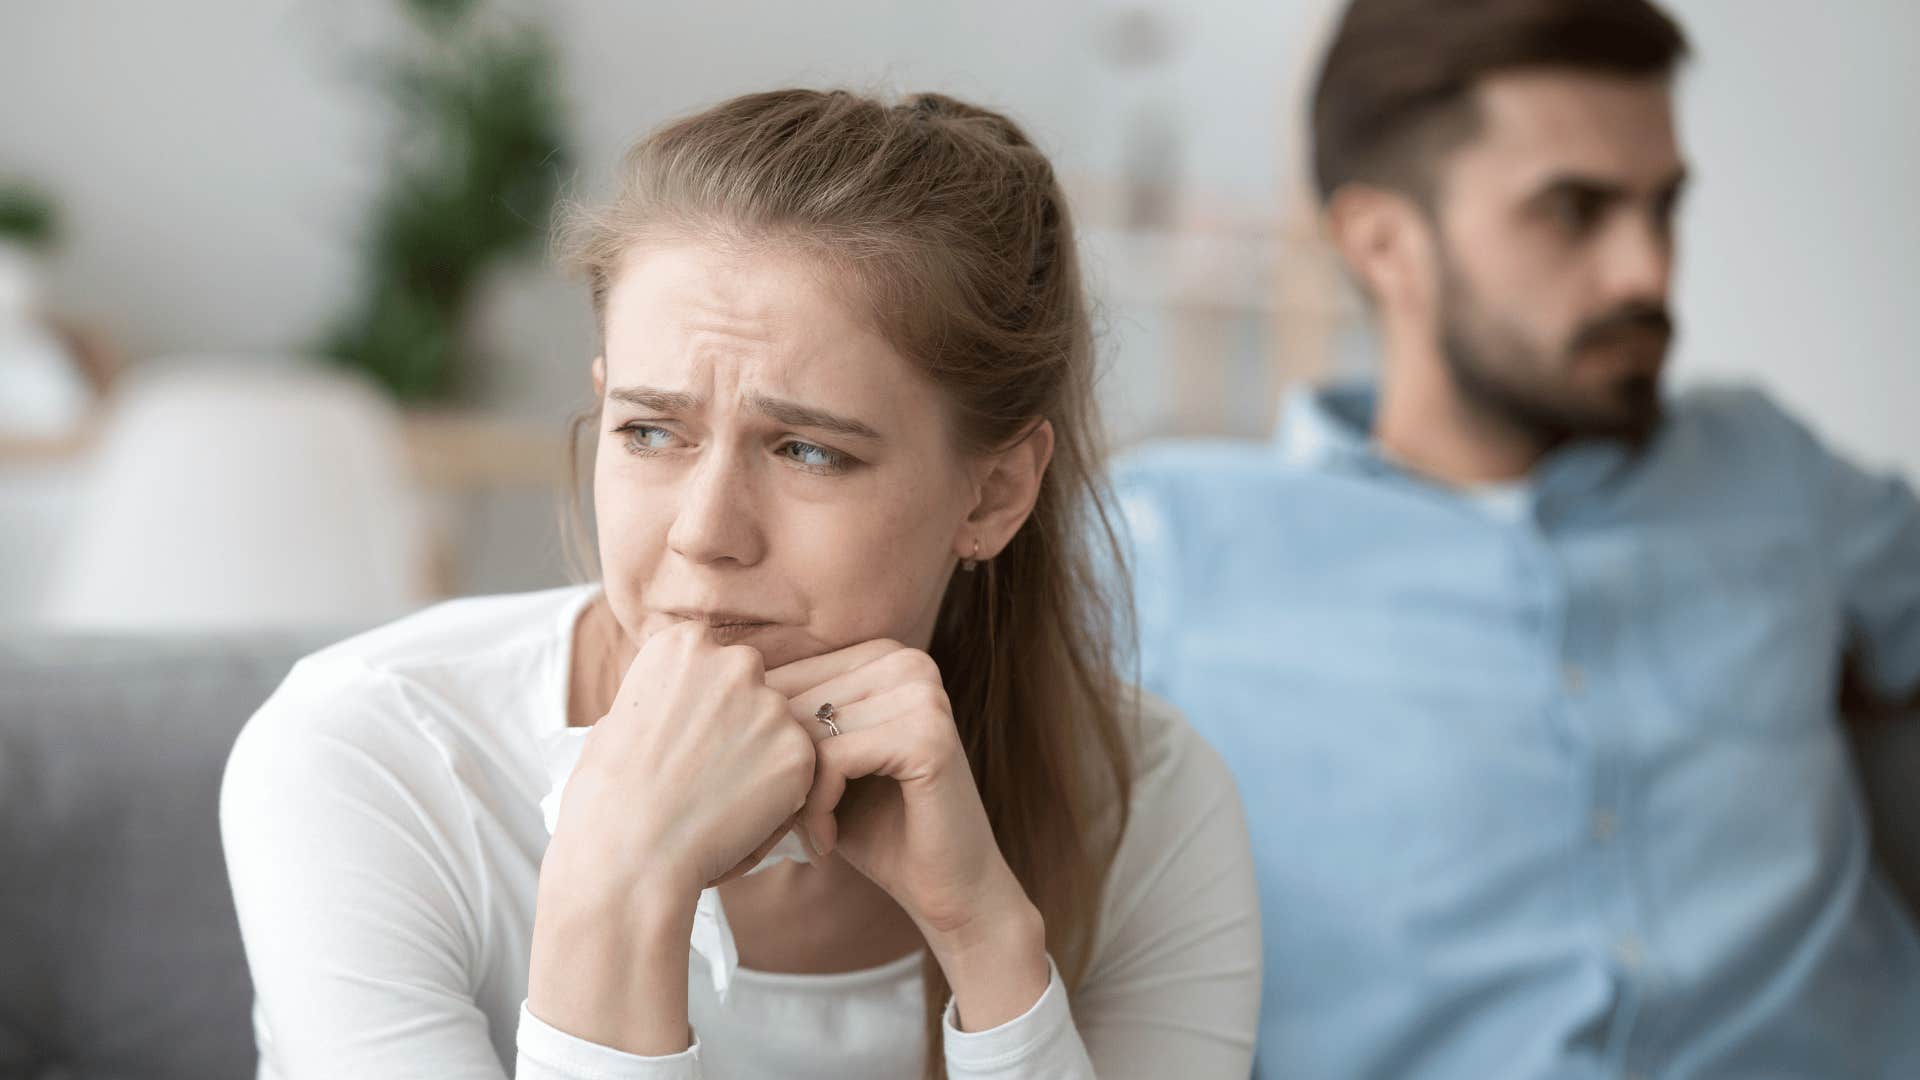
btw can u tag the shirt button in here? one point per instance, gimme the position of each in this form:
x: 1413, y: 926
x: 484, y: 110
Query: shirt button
x: 1574, y: 679
x: 1604, y: 823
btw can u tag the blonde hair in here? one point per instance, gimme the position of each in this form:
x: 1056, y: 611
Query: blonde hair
x: 953, y: 234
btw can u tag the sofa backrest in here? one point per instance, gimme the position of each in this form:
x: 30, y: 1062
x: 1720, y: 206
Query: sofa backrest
x: 1888, y: 753
x: 119, y: 951
x: 121, y: 956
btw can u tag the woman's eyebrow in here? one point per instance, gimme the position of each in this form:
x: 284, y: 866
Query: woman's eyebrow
x: 663, y: 401
x: 794, y: 414
x: 790, y: 413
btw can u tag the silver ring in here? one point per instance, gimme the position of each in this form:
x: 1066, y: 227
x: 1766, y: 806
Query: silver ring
x: 825, y: 715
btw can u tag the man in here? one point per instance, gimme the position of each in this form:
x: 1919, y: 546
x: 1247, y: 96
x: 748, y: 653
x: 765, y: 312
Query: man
x: 1528, y: 674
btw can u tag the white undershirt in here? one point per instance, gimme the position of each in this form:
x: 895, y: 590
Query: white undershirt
x: 383, y: 834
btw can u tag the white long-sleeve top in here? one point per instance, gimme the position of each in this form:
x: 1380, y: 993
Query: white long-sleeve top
x: 383, y: 835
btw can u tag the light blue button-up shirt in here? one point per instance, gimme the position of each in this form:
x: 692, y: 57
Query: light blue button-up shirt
x: 1548, y: 781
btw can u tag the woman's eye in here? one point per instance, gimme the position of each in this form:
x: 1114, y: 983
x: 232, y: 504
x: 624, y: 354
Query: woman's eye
x: 818, y: 458
x: 645, y: 438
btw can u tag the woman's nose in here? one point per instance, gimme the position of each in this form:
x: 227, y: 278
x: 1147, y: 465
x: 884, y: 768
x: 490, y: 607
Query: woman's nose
x: 716, y: 519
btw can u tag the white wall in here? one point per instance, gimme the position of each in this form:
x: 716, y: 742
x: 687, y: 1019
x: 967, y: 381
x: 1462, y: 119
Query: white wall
x: 207, y: 160
x: 213, y: 158
x: 1801, y: 244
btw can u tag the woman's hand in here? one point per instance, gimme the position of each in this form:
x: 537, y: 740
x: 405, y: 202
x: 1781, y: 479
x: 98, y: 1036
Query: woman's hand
x: 894, y: 795
x: 695, y: 767
x: 694, y: 772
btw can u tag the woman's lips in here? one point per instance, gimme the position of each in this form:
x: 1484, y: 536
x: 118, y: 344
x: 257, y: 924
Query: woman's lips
x: 727, y: 627
x: 734, y: 633
x: 778, y: 640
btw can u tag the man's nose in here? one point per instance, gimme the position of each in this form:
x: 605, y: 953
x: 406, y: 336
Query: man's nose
x: 717, y: 517
x: 1639, y: 259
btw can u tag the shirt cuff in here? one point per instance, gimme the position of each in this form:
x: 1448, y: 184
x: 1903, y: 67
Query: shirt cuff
x: 1038, y: 1037
x: 547, y: 1053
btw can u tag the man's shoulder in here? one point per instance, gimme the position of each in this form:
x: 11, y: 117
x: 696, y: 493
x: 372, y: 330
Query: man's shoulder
x: 1176, y: 497
x: 1200, y: 480
x: 1197, y: 459
x: 1738, y: 438
x: 1737, y: 415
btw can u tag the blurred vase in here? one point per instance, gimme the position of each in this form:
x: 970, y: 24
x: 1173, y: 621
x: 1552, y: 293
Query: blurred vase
x: 42, y: 392
x: 243, y: 494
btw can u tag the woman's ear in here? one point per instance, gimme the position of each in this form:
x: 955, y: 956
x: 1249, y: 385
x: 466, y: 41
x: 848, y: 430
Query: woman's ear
x: 1007, y: 486
x: 600, y: 376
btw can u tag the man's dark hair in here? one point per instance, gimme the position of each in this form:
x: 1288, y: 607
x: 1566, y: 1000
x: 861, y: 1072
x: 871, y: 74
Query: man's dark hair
x: 1395, y: 91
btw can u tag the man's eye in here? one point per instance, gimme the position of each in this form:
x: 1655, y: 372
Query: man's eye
x: 1576, y: 211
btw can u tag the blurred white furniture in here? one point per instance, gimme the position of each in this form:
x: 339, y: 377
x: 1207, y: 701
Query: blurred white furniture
x: 42, y: 391
x: 242, y: 494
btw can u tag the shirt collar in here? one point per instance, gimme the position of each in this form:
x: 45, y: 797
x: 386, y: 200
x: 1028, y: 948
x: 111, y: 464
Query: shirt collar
x: 1332, y: 425
x: 1319, y: 425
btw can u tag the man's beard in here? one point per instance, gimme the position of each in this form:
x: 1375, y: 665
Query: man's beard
x: 1513, y: 384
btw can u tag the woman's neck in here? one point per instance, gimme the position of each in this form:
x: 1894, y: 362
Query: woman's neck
x: 601, y: 656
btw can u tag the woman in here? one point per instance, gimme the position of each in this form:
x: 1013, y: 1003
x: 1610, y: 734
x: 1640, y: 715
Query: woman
x: 844, y: 480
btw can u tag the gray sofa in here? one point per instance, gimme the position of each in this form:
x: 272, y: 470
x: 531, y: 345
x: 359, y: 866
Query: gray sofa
x: 119, y: 955
x: 118, y: 951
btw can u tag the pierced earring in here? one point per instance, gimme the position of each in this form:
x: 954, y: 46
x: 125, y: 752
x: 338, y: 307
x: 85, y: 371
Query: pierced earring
x: 970, y: 563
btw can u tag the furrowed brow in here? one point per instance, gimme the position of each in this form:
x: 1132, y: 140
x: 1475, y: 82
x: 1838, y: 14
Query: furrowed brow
x: 794, y: 414
x: 663, y: 401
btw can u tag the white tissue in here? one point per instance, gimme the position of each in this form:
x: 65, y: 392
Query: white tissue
x: 712, y: 937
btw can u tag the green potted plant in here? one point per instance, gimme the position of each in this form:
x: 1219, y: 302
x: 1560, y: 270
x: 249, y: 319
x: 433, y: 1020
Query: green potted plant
x: 475, y: 168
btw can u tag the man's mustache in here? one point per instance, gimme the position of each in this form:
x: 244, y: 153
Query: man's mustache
x: 1623, y: 321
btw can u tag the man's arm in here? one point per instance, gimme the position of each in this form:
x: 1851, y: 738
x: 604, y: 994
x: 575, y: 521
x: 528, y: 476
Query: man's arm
x: 1871, y: 534
x: 1869, y: 524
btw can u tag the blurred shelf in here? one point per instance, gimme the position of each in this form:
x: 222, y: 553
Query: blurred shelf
x: 459, y: 450
x: 450, y: 450
x: 57, y: 449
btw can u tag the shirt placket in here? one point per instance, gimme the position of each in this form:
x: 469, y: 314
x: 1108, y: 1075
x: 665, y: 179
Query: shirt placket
x: 1579, y: 659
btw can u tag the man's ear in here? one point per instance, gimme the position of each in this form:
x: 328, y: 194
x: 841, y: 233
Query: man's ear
x: 1006, y: 486
x: 600, y: 376
x: 1382, y: 235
